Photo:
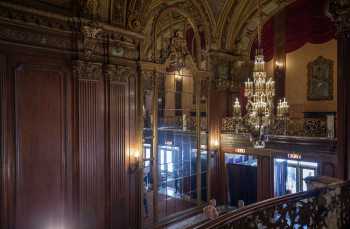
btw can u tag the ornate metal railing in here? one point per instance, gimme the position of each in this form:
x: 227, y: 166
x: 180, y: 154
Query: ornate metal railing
x: 177, y: 122
x: 305, y: 127
x: 321, y: 208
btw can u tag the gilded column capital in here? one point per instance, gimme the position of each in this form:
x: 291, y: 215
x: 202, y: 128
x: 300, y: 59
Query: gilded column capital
x: 119, y: 73
x: 84, y: 70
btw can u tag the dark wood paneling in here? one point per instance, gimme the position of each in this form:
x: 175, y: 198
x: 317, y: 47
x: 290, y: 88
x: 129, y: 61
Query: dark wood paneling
x: 91, y: 154
x: 119, y: 125
x: 38, y: 172
x: 3, y: 90
x: 40, y: 147
x: 265, y: 178
x: 328, y: 169
x: 217, y: 111
x: 136, y: 178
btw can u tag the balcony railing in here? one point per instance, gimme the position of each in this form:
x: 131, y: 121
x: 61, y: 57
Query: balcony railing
x: 328, y: 207
x: 304, y: 127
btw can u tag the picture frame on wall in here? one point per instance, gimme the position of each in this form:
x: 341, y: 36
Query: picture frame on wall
x: 320, y: 79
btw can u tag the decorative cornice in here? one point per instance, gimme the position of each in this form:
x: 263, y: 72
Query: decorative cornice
x: 35, y: 38
x: 84, y: 70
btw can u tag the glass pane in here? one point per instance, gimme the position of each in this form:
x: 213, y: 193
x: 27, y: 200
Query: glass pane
x: 177, y: 144
x: 280, y: 177
x: 241, y: 159
x: 204, y: 165
x: 308, y: 164
x: 291, y: 184
x: 307, y: 173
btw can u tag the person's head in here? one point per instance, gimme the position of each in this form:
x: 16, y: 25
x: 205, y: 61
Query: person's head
x: 212, y: 202
x: 240, y: 203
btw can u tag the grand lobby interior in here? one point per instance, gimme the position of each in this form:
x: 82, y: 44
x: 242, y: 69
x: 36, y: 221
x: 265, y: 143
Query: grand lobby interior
x: 174, y: 114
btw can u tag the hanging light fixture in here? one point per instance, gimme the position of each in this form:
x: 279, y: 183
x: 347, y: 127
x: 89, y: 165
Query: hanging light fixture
x: 260, y: 93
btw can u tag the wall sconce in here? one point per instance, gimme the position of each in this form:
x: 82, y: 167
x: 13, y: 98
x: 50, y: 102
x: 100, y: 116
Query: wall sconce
x: 134, y: 163
x: 279, y: 64
x: 215, y: 147
x: 216, y: 144
x: 178, y: 76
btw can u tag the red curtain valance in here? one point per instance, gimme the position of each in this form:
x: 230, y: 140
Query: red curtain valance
x: 306, y: 21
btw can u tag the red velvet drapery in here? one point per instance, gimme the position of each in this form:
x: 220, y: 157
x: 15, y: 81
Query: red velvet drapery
x: 306, y: 21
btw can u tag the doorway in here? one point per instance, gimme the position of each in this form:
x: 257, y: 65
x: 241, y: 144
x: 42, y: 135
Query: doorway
x: 290, y: 175
x: 242, y: 179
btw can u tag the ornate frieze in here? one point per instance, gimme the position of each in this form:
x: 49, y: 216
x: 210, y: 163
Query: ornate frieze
x: 84, y: 70
x: 35, y: 38
x: 24, y: 16
x: 22, y: 25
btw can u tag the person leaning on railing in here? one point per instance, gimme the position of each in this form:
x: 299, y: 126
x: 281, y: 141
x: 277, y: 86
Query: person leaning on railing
x: 210, y: 211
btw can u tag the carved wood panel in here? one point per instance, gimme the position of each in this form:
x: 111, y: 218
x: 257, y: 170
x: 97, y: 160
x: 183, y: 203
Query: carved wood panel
x: 40, y: 172
x: 119, y: 125
x: 91, y: 153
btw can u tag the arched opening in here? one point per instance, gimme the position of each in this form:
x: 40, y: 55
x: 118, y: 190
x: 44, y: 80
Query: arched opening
x: 175, y: 95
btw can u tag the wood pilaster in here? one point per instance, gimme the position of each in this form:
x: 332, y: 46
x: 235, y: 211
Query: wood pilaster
x: 341, y: 14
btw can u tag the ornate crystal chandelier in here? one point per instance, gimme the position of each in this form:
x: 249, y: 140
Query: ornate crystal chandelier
x: 260, y: 93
